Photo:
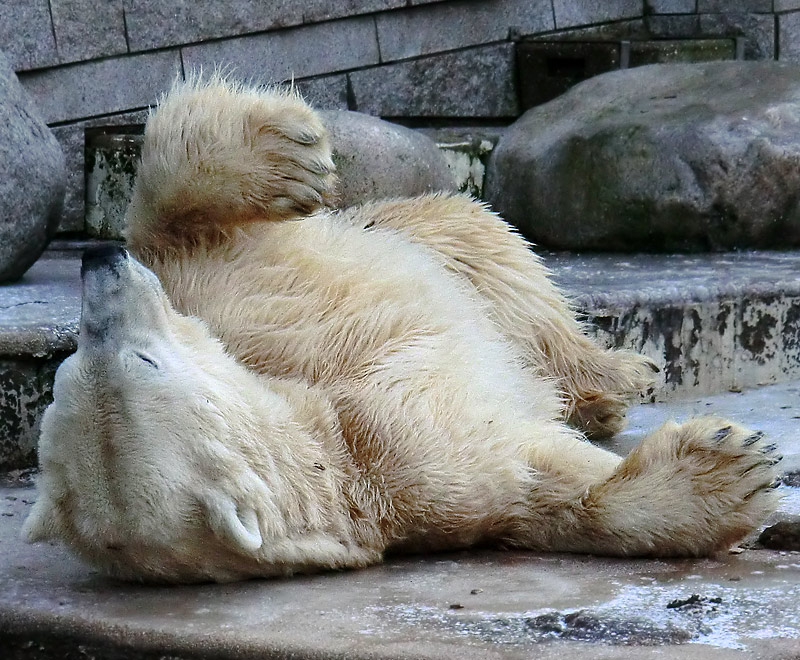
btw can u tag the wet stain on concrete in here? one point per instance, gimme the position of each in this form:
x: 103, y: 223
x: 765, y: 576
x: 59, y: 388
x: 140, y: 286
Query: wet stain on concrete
x: 758, y: 330
x: 791, y: 331
x: 589, y: 626
x: 708, y: 347
x: 721, y: 319
x: 26, y: 389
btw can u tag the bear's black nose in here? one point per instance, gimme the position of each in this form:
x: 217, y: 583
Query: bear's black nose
x: 103, y: 256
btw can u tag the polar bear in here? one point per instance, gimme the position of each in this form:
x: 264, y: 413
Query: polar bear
x: 264, y: 385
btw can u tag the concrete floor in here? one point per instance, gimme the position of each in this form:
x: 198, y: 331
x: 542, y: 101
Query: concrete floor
x: 467, y: 605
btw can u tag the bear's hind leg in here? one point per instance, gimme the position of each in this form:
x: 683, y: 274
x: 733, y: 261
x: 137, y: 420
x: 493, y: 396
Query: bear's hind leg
x: 686, y: 490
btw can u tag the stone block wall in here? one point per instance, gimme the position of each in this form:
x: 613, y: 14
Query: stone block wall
x: 91, y: 64
x: 760, y: 22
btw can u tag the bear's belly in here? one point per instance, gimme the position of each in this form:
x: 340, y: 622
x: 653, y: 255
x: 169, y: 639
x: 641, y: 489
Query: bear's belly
x: 326, y: 302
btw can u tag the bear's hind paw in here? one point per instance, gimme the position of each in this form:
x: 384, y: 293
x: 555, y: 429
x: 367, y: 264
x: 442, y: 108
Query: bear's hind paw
x: 729, y: 477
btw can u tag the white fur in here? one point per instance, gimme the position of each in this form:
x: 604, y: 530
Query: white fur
x: 331, y: 385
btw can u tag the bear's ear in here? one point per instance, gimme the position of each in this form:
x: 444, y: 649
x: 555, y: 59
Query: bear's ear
x: 41, y: 523
x: 235, y: 525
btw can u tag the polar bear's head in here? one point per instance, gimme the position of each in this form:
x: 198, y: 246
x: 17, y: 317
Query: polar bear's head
x: 144, y: 472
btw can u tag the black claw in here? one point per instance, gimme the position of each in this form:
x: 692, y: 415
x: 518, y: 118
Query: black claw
x: 772, y: 485
x: 757, y: 465
x: 776, y: 460
x: 753, y: 438
x: 753, y: 492
x: 768, y: 449
x: 723, y: 433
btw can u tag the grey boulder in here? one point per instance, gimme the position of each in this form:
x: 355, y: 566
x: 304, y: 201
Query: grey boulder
x: 32, y: 179
x: 376, y: 159
x: 683, y: 157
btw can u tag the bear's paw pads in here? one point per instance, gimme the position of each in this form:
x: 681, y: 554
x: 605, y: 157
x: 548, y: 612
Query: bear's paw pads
x: 732, y: 468
x: 754, y: 459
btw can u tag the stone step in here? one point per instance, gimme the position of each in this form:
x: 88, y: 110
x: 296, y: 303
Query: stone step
x: 485, y: 605
x: 712, y: 323
x: 38, y: 328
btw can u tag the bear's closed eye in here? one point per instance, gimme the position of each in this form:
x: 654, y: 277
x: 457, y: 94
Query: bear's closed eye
x: 146, y: 358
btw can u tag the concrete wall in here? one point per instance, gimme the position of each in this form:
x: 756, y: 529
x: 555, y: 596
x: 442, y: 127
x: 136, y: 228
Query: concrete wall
x: 91, y: 63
